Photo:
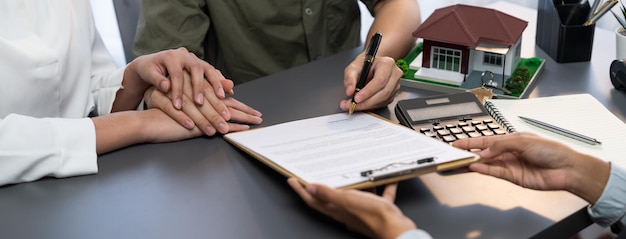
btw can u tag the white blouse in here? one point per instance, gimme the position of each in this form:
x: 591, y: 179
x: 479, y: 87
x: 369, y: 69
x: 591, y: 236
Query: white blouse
x: 54, y: 72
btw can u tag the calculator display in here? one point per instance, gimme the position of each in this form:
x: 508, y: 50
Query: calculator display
x: 444, y: 111
x: 448, y: 117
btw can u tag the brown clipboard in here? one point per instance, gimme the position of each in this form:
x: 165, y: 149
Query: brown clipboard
x: 415, y: 172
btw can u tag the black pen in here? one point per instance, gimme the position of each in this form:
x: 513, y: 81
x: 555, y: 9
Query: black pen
x: 369, y: 59
x: 560, y: 130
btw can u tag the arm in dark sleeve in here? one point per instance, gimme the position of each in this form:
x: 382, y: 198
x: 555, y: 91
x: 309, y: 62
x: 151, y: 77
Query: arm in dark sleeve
x: 171, y: 24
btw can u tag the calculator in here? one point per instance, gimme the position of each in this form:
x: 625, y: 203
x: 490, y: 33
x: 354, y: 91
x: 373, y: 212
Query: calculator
x: 448, y: 117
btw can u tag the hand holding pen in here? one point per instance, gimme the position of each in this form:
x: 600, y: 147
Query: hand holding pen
x: 367, y: 65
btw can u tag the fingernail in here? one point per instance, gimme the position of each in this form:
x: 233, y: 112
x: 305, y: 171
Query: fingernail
x: 225, y: 114
x: 342, y: 106
x: 311, y: 189
x: 484, y: 152
x: 258, y: 113
x: 178, y: 104
x: 163, y: 85
x: 210, y: 130
x: 199, y: 98
x: 222, y: 93
x: 223, y: 128
x: 189, y: 124
x: 258, y: 120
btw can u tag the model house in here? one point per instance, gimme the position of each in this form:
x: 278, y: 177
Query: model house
x: 460, y: 40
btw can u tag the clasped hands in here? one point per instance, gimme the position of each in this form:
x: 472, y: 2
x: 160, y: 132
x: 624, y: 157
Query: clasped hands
x: 192, y: 92
x: 214, y: 115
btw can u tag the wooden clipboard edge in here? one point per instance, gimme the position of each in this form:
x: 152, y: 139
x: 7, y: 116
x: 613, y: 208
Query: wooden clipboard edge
x: 277, y: 167
x: 419, y: 172
x: 435, y: 168
x: 367, y: 184
x: 385, y: 119
x: 371, y: 184
x: 457, y: 164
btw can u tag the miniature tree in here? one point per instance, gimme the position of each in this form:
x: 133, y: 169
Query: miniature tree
x: 518, y: 81
x: 403, y: 65
x: 533, y: 61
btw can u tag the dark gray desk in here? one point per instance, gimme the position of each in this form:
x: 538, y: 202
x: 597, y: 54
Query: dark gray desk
x: 205, y: 188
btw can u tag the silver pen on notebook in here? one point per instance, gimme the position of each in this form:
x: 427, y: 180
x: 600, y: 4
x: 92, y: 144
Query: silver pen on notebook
x: 560, y: 130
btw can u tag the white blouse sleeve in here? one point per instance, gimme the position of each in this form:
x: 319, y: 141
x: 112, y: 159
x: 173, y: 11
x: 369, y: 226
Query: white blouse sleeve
x: 106, y: 79
x: 32, y: 148
x: 415, y: 234
x: 52, y: 51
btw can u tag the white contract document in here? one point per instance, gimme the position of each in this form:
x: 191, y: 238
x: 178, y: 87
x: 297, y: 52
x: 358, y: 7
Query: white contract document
x: 335, y: 149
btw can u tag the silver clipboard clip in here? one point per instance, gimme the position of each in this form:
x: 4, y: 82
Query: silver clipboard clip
x: 414, y: 166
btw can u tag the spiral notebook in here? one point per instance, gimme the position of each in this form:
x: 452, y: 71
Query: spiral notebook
x: 581, y: 113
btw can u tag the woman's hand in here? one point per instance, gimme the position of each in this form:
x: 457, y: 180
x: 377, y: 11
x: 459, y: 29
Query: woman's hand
x: 537, y: 163
x: 217, y: 116
x: 165, y: 70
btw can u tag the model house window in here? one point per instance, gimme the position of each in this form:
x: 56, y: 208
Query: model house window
x: 493, y: 59
x: 446, y: 59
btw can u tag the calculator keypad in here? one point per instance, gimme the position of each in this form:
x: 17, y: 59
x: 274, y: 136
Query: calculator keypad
x: 450, y: 131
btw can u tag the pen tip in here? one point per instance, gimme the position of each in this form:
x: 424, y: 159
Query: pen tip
x: 352, y: 106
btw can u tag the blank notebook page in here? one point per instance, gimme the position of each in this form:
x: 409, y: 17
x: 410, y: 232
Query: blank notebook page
x: 581, y: 113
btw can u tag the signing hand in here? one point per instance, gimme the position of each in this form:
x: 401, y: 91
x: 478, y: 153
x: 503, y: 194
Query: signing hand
x: 383, y: 83
x: 366, y: 213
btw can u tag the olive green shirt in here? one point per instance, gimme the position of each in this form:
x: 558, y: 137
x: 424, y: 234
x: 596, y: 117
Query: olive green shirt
x: 248, y: 39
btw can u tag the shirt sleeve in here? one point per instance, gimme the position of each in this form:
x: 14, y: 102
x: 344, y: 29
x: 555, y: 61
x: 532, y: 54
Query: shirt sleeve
x: 370, y: 5
x: 32, y: 148
x: 106, y: 86
x: 106, y: 79
x: 171, y: 24
x: 415, y: 234
x: 611, y: 206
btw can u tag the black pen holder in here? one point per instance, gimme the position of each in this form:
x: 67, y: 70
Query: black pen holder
x: 561, y: 30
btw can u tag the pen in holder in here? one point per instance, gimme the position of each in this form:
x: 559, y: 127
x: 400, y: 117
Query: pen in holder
x: 561, y: 30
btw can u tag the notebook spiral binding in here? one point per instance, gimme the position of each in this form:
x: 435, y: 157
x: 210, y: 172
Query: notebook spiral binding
x: 495, y: 114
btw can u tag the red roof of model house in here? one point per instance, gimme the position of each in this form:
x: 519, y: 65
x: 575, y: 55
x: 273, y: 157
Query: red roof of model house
x: 468, y: 25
